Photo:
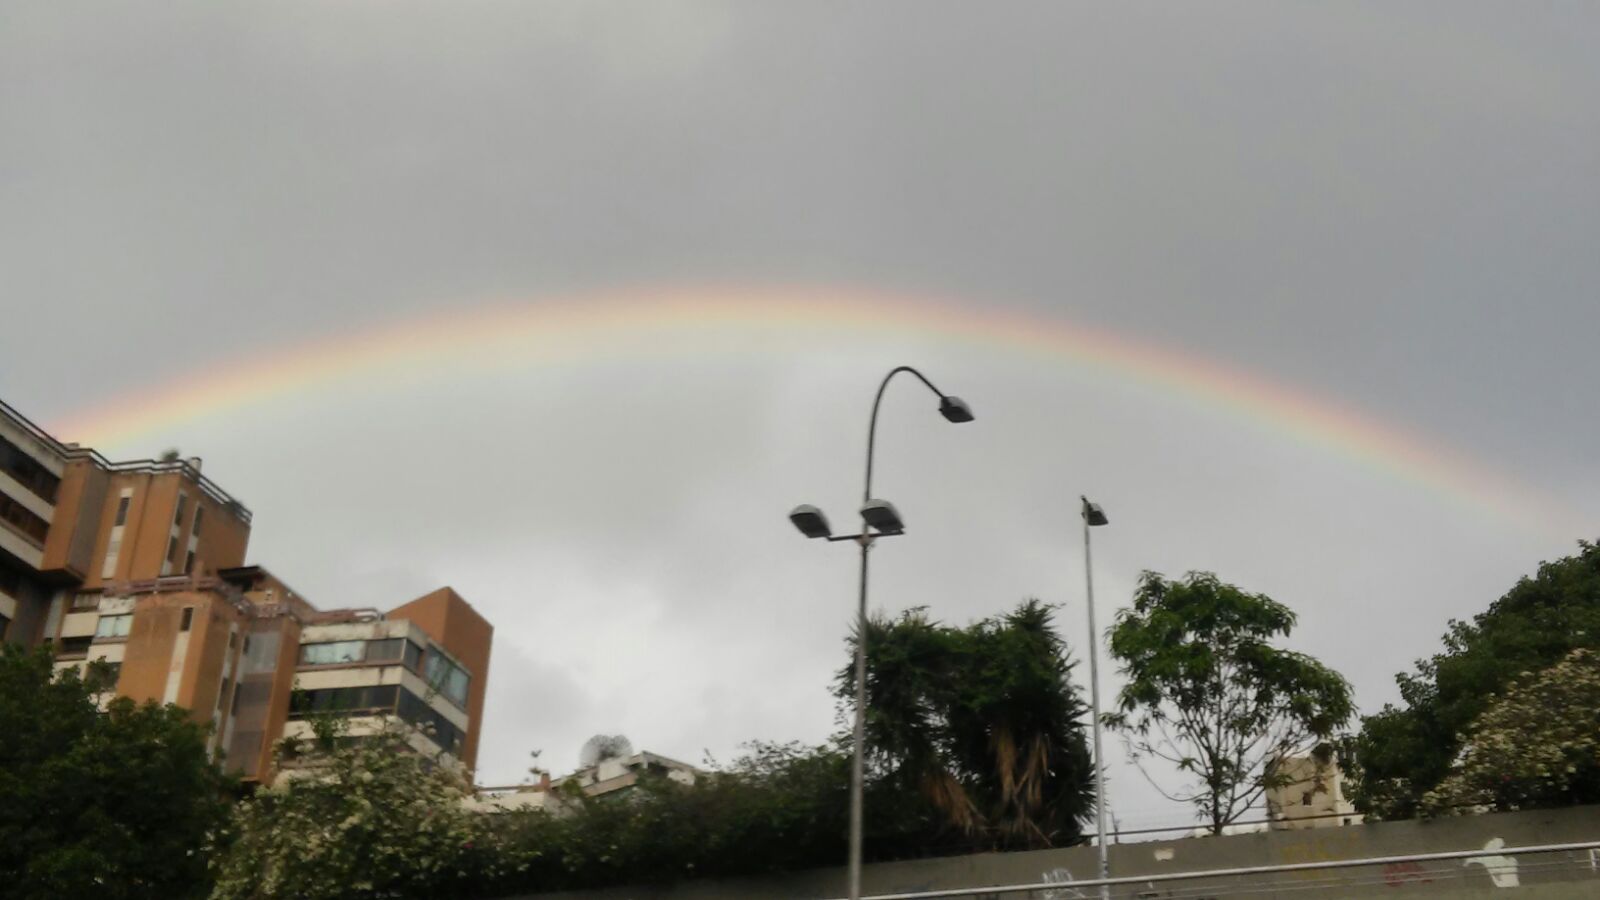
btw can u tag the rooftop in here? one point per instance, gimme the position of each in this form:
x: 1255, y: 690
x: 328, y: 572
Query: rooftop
x: 71, y: 451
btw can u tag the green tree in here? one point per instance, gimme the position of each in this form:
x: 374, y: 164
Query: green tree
x: 982, y: 723
x: 362, y: 817
x: 1209, y: 694
x: 1403, y: 752
x: 114, y: 804
x: 1535, y: 746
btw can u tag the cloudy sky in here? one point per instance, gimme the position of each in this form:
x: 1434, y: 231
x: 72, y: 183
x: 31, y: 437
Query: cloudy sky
x: 1385, y: 211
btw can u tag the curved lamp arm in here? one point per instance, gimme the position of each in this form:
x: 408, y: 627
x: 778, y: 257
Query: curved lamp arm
x: 953, y: 408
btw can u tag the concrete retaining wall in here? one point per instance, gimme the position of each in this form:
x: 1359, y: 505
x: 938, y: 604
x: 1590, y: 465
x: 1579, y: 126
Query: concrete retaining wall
x: 1556, y: 876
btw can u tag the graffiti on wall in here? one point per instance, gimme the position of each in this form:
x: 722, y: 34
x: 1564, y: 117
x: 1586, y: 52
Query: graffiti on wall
x: 1502, y: 869
x: 1403, y: 873
x: 1060, y: 875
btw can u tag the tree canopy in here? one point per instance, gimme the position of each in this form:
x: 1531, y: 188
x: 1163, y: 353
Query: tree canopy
x: 1403, y: 752
x: 1208, y: 693
x: 119, y: 804
x: 982, y: 722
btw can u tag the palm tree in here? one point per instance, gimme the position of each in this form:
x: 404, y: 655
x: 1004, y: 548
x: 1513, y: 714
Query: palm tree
x: 982, y: 722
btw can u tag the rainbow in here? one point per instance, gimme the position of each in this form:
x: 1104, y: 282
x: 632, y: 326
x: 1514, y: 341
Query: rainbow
x: 547, y: 331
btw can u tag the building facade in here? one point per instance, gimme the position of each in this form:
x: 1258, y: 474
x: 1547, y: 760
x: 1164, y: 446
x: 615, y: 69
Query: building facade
x: 141, y: 565
x: 1310, y: 793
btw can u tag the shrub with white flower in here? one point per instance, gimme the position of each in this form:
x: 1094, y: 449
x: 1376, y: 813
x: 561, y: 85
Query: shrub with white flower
x: 1537, y: 745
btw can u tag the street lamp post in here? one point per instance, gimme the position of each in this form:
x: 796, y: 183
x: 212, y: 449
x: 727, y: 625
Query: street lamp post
x: 1094, y: 516
x: 879, y: 519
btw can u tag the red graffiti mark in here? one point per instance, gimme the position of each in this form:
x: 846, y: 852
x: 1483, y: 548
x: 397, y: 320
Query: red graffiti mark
x: 1397, y: 874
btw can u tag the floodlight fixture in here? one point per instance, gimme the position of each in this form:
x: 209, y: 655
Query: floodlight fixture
x: 955, y: 409
x: 1093, y: 514
x: 882, y: 515
x: 810, y: 520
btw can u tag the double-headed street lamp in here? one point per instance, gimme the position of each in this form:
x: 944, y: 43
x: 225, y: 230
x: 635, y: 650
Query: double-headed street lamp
x: 879, y: 519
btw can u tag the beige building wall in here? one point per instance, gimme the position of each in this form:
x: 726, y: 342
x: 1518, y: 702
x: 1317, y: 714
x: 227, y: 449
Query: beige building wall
x: 1312, y: 795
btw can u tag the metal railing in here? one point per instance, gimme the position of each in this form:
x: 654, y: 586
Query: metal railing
x: 1396, y: 870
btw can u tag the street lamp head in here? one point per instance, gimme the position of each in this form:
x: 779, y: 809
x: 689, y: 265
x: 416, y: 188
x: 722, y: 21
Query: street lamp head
x: 1092, y: 513
x: 882, y: 515
x: 955, y: 409
x: 810, y: 520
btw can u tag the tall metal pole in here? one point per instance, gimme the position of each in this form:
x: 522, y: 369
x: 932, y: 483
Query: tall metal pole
x: 857, y: 764
x: 1094, y: 700
x: 859, y: 739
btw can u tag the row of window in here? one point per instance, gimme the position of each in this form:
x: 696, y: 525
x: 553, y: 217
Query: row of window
x: 28, y: 472
x: 176, y: 543
x: 23, y: 519
x: 386, y: 650
x: 378, y: 699
x: 438, y: 671
x: 344, y: 701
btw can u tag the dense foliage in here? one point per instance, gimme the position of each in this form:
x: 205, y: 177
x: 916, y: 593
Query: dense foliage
x: 362, y: 818
x: 1403, y: 752
x: 1210, y: 695
x: 114, y: 805
x: 779, y: 807
x: 1535, y: 746
x: 979, y: 730
x: 976, y: 744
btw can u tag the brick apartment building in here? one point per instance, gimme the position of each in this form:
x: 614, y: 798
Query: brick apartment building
x: 142, y: 564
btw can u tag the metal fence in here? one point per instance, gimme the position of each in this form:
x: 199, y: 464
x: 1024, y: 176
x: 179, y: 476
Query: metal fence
x: 1443, y: 874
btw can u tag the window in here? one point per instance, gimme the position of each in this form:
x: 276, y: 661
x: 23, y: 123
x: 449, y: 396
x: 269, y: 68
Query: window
x: 194, y: 530
x: 28, y: 472
x: 446, y: 677
x: 177, y: 515
x: 432, y: 722
x: 113, y: 550
x: 5, y: 625
x: 413, y: 656
x: 343, y: 701
x: 332, y: 653
x: 23, y: 519
x: 385, y: 650
x: 10, y: 579
x: 85, y: 600
x: 172, y: 549
x: 188, y: 563
x: 122, y: 510
x: 113, y: 626
x: 73, y: 648
x: 188, y: 618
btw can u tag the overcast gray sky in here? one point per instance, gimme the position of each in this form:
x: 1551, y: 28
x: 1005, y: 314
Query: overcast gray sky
x: 1393, y: 207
